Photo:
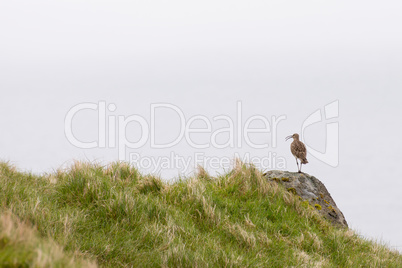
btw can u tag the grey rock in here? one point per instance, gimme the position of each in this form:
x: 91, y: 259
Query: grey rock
x: 311, y: 189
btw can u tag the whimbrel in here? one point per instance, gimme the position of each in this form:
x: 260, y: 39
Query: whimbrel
x: 298, y: 149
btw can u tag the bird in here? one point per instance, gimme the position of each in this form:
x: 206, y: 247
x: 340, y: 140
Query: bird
x: 298, y: 149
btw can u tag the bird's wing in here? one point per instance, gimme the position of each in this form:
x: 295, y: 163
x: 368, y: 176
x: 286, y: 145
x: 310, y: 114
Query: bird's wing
x: 299, y: 150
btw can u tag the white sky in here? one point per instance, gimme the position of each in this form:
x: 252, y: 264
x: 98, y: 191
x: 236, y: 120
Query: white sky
x: 276, y: 57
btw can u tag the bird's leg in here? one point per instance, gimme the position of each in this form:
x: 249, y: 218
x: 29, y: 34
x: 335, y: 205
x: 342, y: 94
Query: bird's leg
x: 300, y: 167
x: 297, y: 163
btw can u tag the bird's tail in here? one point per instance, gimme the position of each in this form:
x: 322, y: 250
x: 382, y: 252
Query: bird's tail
x: 304, y: 161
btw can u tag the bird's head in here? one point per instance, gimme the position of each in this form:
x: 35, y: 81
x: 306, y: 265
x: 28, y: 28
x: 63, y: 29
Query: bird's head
x: 294, y: 136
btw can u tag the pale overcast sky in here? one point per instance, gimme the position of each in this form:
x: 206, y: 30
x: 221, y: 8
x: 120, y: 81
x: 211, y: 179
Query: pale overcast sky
x: 276, y: 58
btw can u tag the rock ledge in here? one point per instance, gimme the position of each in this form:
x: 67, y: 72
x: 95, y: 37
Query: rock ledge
x: 311, y: 189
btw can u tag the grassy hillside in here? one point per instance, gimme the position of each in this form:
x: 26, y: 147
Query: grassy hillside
x: 113, y: 216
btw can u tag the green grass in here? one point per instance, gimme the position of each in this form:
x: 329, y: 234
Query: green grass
x: 116, y: 217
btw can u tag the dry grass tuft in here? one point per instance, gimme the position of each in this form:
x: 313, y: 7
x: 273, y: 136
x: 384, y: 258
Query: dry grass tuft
x: 247, y: 239
x: 17, y: 237
x: 202, y: 174
x: 150, y: 184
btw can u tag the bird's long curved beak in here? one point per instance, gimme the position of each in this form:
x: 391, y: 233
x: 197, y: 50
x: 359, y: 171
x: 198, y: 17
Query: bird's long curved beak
x: 288, y: 137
